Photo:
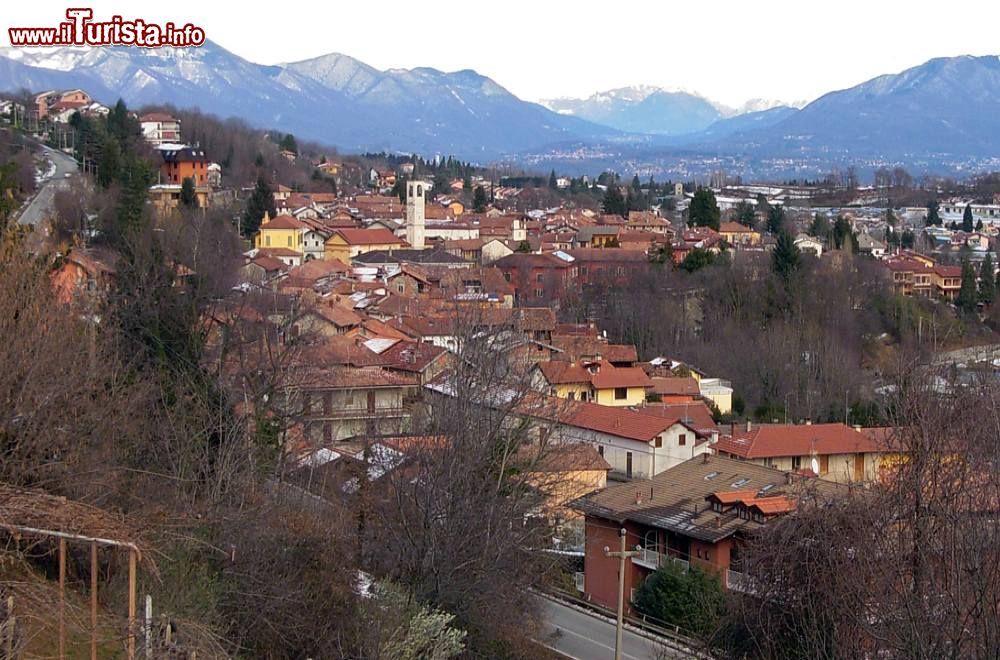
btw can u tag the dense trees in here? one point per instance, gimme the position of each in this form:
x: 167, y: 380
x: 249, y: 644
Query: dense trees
x: 614, y: 202
x: 691, y: 599
x: 261, y: 201
x: 967, y: 294
x: 933, y: 213
x: 786, y: 259
x: 704, y: 211
x: 479, y: 200
x: 776, y: 219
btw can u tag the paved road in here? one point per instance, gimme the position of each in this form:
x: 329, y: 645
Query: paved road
x: 584, y: 636
x: 38, y: 208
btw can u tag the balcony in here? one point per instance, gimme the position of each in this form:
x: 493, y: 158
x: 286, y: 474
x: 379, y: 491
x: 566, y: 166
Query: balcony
x: 653, y: 559
x: 356, y: 413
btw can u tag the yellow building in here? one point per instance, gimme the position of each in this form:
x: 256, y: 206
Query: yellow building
x: 283, y: 231
x: 736, y: 234
x: 563, y: 473
x: 597, y: 381
x: 345, y: 244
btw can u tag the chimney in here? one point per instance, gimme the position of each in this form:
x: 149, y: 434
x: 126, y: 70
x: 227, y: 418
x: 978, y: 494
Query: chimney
x: 704, y: 458
x: 808, y: 421
x: 638, y: 498
x: 788, y: 478
x: 732, y: 429
x: 718, y: 521
x: 713, y: 438
x: 749, y: 425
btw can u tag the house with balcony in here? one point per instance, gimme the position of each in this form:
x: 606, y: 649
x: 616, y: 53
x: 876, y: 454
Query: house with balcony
x: 339, y: 402
x: 699, y: 513
x: 835, y: 452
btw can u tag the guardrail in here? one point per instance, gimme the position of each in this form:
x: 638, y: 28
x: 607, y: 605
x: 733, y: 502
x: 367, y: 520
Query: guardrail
x: 650, y: 625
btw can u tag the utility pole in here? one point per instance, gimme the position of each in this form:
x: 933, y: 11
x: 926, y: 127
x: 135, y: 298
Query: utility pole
x: 621, y: 555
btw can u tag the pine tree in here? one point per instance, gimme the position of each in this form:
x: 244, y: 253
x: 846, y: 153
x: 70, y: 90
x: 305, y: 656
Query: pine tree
x: 704, y: 211
x: 979, y: 225
x: 967, y: 294
x: 967, y: 220
x: 636, y: 184
x: 479, y: 200
x: 775, y: 219
x: 189, y: 199
x: 745, y: 214
x: 786, y: 258
x: 614, y: 203
x: 553, y: 182
x: 987, y: 281
x: 820, y: 227
x: 842, y: 233
x: 288, y: 143
x: 933, y: 213
x: 261, y: 200
x: 890, y: 217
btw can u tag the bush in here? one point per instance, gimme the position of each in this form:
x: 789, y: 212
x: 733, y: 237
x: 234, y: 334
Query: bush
x: 692, y: 599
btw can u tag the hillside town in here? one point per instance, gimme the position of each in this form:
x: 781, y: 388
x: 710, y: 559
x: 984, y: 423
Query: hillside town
x: 370, y: 320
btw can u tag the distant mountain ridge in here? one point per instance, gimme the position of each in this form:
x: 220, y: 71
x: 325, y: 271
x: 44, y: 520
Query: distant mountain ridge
x: 335, y: 98
x: 940, y: 112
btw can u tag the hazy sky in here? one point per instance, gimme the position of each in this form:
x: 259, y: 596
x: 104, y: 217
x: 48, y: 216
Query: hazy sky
x: 727, y: 50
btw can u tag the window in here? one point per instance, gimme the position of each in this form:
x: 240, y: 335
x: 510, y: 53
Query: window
x: 717, y: 507
x: 540, y: 278
x: 739, y: 482
x: 506, y: 276
x: 621, y: 393
x: 628, y: 465
x: 600, y: 450
x: 420, y: 191
x: 267, y: 241
x: 658, y: 442
x: 539, y: 293
x: 400, y: 287
x: 796, y: 462
x: 289, y: 241
x: 682, y: 439
x: 306, y: 403
x: 758, y: 517
x: 571, y: 396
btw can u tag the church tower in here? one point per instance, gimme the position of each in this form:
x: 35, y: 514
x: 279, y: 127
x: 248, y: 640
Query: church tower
x: 416, y: 192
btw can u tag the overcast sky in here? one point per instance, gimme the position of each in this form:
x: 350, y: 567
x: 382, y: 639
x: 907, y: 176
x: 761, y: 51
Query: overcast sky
x: 727, y: 50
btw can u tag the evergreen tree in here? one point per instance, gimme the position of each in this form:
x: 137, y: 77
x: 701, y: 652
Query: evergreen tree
x: 261, y: 200
x: 933, y: 213
x: 109, y: 164
x: 786, y: 258
x: 820, y: 226
x: 967, y: 294
x: 479, y: 200
x: 907, y: 240
x: 636, y: 184
x: 692, y: 599
x: 745, y: 214
x: 704, y: 211
x: 288, y: 143
x: 614, y: 203
x: 189, y: 199
x: 968, y: 223
x: 553, y: 182
x: 775, y: 219
x: 523, y: 246
x: 987, y: 281
x: 696, y: 259
x: 131, y: 213
x: 890, y: 217
x: 979, y: 225
x: 842, y: 233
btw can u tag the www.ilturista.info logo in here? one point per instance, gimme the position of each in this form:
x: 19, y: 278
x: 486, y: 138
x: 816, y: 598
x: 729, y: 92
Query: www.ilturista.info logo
x: 80, y: 30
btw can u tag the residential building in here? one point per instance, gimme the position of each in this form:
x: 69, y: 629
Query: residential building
x: 598, y: 381
x: 345, y: 244
x: 183, y: 163
x: 282, y: 231
x: 836, y: 452
x: 739, y: 235
x: 160, y: 128
x: 539, y: 279
x: 947, y: 281
x: 699, y: 513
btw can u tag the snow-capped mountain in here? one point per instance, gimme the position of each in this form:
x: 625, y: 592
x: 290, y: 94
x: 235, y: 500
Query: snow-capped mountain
x: 654, y: 110
x: 335, y: 98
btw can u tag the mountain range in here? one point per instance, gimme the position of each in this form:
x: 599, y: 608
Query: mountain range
x: 941, y: 111
x: 654, y: 110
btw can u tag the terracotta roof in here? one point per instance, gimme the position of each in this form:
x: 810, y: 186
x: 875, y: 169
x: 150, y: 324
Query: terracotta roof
x: 568, y: 457
x: 948, y: 271
x: 590, y: 346
x: 694, y: 413
x: 337, y: 350
x: 343, y: 377
x: 676, y: 386
x: 269, y: 263
x: 776, y: 440
x: 674, y: 500
x: 284, y: 221
x: 734, y: 228
x: 610, y: 420
x: 609, y: 377
x: 336, y: 314
x: 411, y: 355
x: 732, y: 496
x: 315, y: 269
x: 156, y: 116
x: 278, y: 252
x: 611, y: 255
x: 369, y: 237
x: 564, y: 373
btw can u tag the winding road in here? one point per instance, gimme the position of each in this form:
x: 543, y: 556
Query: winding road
x: 40, y: 205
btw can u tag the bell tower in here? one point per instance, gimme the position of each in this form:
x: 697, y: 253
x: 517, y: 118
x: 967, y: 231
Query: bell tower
x: 416, y: 192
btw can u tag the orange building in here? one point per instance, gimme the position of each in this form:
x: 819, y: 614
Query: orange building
x: 180, y: 164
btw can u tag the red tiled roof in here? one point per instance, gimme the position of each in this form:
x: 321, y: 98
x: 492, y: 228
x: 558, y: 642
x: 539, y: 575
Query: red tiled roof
x: 284, y: 221
x: 776, y: 440
x: 157, y: 116
x: 695, y: 413
x: 734, y: 228
x: 564, y: 373
x: 278, y: 252
x: 269, y: 263
x: 411, y: 355
x: 676, y: 386
x: 609, y: 377
x: 369, y: 237
x: 342, y: 377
